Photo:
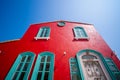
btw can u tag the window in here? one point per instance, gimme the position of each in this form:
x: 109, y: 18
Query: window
x: 74, y: 70
x: 92, y: 65
x: 44, y: 67
x: 21, y: 68
x: 61, y: 24
x: 115, y: 71
x: 44, y: 33
x: 80, y: 33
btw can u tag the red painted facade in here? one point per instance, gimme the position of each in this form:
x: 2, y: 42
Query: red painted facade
x: 61, y: 40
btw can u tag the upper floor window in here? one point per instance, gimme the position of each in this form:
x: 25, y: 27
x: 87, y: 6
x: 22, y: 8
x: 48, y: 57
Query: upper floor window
x: 44, y: 33
x: 80, y: 33
x: 44, y: 67
x: 21, y: 68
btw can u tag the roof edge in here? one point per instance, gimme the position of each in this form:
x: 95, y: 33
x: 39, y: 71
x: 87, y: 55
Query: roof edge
x: 61, y: 20
x: 9, y: 40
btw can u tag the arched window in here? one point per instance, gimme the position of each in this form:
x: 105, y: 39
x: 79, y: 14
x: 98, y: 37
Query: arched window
x: 80, y: 33
x: 92, y: 65
x: 44, y: 33
x: 21, y: 67
x: 44, y: 67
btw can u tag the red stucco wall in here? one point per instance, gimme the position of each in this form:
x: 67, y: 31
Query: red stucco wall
x: 61, y: 40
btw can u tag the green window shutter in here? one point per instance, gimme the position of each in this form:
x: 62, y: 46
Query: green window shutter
x: 74, y: 70
x: 21, y: 68
x: 115, y: 71
x: 44, y: 67
x: 43, y: 33
x: 80, y: 33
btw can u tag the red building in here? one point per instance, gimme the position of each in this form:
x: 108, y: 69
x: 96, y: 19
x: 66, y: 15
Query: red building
x: 59, y: 50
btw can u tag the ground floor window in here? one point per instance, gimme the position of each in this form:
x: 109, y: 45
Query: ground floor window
x: 21, y: 68
x: 44, y: 67
x: 92, y: 66
x: 43, y: 70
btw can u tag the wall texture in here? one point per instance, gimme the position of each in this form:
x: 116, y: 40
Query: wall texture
x: 61, y: 40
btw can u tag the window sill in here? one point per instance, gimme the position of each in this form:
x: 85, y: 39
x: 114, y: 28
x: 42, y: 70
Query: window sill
x: 81, y: 38
x: 36, y: 38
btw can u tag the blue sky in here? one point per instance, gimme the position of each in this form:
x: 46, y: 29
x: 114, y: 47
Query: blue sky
x: 17, y: 15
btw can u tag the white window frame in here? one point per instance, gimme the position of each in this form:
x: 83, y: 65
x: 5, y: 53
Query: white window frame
x: 75, y: 34
x: 100, y: 62
x: 40, y: 32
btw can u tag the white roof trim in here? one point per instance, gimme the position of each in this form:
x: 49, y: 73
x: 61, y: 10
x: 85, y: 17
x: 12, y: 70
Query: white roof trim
x: 10, y: 40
